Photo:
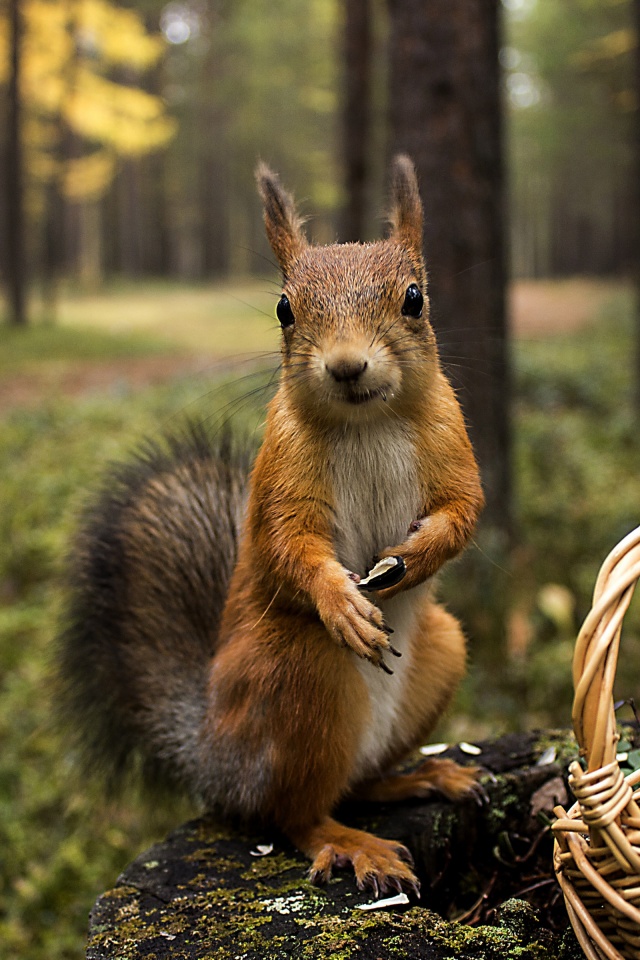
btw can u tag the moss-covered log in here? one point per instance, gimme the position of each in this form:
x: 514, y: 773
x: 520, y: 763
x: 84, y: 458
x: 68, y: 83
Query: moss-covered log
x: 202, y: 893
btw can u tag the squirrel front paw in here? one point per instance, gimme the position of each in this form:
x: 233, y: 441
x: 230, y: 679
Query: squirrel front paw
x: 352, y: 620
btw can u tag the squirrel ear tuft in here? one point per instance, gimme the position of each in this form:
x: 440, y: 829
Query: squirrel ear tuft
x: 281, y: 219
x: 406, y: 207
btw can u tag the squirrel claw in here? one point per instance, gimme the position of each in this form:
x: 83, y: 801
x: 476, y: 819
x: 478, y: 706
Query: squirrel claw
x: 318, y: 877
x: 414, y: 887
x: 369, y: 880
x: 405, y: 854
x: 478, y: 793
x: 383, y: 666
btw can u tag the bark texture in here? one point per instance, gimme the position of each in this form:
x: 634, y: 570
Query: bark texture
x: 445, y: 112
x: 14, y: 173
x: 356, y: 115
x: 636, y: 198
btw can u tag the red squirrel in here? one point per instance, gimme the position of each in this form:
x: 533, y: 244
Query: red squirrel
x: 219, y: 637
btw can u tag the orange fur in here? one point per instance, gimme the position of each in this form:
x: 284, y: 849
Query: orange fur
x: 292, y: 686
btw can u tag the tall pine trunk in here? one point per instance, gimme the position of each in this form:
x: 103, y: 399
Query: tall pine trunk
x: 14, y: 173
x: 356, y: 115
x: 635, y: 240
x: 445, y: 112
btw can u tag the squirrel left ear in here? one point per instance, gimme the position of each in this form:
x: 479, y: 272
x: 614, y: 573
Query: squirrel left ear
x: 406, y: 214
x: 281, y: 219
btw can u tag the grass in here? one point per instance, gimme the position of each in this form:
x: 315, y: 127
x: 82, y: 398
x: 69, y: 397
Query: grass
x: 23, y: 350
x: 224, y: 319
x: 132, y: 319
x: 578, y: 465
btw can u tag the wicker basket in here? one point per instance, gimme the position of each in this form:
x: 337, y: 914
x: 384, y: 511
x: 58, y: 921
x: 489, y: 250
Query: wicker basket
x: 597, y: 843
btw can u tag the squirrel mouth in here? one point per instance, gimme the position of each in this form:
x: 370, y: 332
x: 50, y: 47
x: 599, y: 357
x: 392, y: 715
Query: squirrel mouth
x: 366, y: 396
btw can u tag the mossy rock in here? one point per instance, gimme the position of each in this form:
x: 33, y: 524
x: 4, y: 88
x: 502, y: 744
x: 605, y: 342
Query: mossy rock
x: 203, y: 894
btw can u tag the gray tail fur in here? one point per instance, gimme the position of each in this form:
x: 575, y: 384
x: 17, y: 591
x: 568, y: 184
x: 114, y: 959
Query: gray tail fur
x: 148, y: 577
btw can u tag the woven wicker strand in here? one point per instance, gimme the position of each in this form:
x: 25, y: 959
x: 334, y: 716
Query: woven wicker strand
x: 597, y: 843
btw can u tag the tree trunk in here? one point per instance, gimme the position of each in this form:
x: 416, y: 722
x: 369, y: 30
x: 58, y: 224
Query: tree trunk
x: 129, y: 215
x: 446, y: 114
x: 14, y: 177
x: 90, y: 246
x: 159, y: 215
x: 52, y: 254
x: 213, y: 161
x: 356, y: 116
x: 635, y: 239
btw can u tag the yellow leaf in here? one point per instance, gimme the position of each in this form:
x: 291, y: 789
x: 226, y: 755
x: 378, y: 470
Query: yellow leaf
x: 130, y: 120
x: 117, y: 35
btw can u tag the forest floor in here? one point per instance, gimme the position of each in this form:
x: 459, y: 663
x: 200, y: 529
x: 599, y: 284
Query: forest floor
x: 129, y: 363
x: 175, y: 331
x: 544, y: 308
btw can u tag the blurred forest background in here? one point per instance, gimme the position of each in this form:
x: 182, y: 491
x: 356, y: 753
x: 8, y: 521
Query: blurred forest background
x: 138, y: 288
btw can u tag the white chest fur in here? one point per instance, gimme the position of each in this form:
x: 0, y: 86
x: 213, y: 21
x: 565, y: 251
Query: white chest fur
x: 376, y: 492
x: 376, y: 496
x: 387, y: 693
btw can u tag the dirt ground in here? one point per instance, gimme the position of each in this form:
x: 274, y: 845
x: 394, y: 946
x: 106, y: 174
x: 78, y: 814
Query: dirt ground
x: 544, y: 308
x: 538, y: 309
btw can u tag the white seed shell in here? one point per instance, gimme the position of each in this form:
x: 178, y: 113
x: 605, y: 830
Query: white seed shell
x: 381, y: 567
x: 548, y: 756
x: 262, y: 850
x: 396, y: 901
x: 432, y: 749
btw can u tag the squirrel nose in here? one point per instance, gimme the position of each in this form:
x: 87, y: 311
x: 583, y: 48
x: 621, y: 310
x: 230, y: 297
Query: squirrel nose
x: 344, y: 369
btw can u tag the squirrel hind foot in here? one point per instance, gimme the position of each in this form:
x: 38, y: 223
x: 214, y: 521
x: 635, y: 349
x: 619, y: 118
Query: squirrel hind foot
x: 379, y: 865
x: 451, y: 779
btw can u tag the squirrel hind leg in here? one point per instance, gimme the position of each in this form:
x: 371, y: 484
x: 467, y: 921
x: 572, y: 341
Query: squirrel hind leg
x: 379, y: 865
x: 443, y: 776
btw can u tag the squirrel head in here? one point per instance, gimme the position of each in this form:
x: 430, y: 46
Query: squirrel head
x: 354, y: 317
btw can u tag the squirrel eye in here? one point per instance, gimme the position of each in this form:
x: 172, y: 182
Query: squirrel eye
x: 284, y: 312
x: 413, y: 301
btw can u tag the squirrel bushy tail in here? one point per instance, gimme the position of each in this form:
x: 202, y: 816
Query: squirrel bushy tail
x: 148, y: 579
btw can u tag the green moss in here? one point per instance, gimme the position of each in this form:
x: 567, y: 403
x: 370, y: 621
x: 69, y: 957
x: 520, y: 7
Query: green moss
x: 270, y: 866
x: 505, y: 800
x: 443, y: 825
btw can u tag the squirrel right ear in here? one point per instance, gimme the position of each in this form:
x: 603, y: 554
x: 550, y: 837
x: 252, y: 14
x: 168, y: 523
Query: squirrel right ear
x: 281, y: 219
x: 406, y: 208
